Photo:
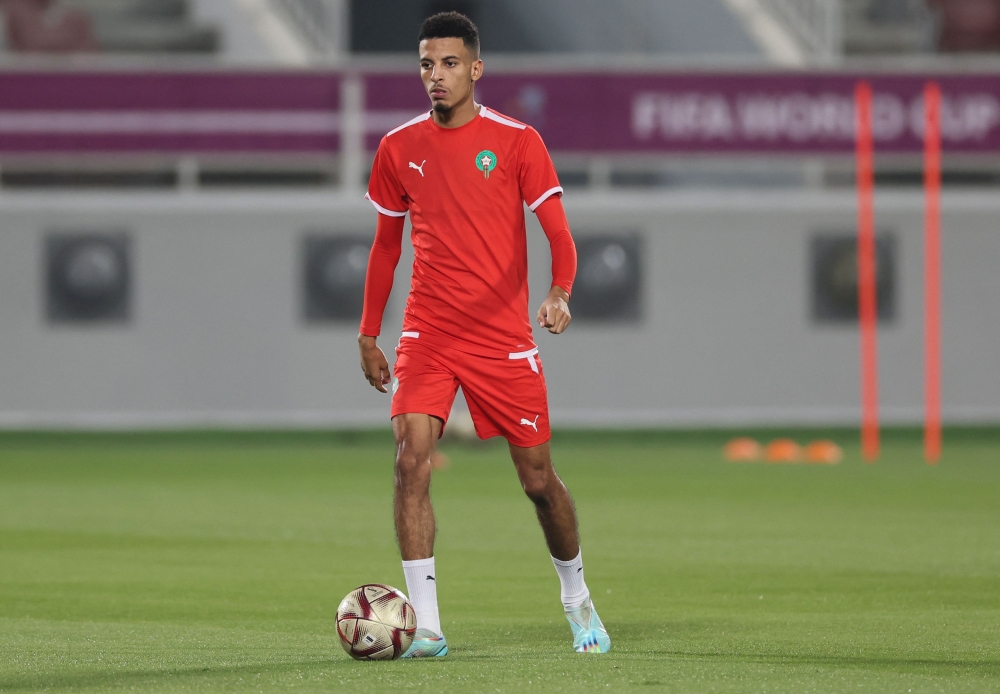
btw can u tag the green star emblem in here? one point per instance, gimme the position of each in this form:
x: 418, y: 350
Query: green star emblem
x: 486, y: 161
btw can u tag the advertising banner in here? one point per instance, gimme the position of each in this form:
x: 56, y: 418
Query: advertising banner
x: 585, y: 113
x: 752, y: 113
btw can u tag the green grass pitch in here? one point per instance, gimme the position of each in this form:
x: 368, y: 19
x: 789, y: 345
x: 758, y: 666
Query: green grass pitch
x: 215, y: 562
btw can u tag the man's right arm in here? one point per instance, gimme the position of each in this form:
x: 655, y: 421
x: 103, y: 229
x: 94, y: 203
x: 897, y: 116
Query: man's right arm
x: 554, y: 311
x: 382, y: 261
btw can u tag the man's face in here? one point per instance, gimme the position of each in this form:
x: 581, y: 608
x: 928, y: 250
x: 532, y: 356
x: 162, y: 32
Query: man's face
x: 448, y: 72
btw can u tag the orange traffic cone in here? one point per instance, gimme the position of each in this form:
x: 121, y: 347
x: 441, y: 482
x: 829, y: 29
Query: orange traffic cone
x: 742, y: 450
x: 783, y: 451
x: 824, y: 453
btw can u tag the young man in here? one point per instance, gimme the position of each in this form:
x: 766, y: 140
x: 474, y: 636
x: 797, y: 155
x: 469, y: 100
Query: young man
x: 464, y: 173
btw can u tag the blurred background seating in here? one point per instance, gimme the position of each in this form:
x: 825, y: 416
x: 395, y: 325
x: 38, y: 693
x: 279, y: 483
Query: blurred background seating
x: 39, y: 26
x: 873, y: 27
x: 968, y: 25
x: 284, y: 31
x: 112, y: 26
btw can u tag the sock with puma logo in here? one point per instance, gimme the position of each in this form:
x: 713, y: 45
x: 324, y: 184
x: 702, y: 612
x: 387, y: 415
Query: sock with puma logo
x: 421, y: 585
x: 573, y: 590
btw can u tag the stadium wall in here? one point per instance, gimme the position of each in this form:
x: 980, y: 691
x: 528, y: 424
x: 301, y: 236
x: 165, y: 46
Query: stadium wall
x: 215, y: 335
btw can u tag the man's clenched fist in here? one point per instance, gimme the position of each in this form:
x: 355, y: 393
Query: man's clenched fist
x: 373, y: 363
x: 554, y: 312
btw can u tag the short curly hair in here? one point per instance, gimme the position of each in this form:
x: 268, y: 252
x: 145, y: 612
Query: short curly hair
x: 451, y: 25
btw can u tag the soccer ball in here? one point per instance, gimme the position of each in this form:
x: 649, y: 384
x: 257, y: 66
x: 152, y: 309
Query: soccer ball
x: 376, y: 622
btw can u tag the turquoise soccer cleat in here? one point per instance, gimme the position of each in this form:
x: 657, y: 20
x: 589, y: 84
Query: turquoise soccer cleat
x: 589, y: 634
x: 427, y: 644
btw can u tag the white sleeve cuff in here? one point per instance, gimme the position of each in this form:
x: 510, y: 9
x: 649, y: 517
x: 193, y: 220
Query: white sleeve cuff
x: 545, y: 196
x: 391, y: 213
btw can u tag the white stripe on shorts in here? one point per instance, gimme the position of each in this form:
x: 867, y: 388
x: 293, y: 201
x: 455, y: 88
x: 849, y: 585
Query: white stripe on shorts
x: 529, y: 355
x: 409, y: 334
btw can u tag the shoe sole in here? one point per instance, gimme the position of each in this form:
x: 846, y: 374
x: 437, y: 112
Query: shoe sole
x: 443, y: 652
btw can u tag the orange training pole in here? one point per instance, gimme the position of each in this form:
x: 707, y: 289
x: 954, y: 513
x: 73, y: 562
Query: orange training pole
x: 867, y: 300
x: 932, y: 272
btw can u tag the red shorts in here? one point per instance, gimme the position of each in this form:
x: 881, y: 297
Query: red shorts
x: 507, y: 397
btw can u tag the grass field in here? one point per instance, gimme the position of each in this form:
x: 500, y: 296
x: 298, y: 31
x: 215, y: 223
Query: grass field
x: 215, y: 562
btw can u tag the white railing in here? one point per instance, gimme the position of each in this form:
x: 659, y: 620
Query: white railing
x: 816, y: 25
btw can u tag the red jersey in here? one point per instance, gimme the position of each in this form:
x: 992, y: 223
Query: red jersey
x: 465, y: 189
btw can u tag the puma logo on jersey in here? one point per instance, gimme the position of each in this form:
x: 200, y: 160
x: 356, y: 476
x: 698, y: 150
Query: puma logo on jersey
x: 529, y: 423
x: 419, y: 168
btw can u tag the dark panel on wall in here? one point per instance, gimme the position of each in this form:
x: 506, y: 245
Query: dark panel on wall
x: 392, y: 26
x: 834, y: 267
x: 333, y: 274
x: 88, y: 279
x: 608, y: 283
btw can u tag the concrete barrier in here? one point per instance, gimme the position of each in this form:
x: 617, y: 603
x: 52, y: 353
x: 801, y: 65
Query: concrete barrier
x: 216, y: 334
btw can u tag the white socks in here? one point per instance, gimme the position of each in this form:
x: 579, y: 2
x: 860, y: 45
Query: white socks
x: 421, y: 584
x: 573, y: 588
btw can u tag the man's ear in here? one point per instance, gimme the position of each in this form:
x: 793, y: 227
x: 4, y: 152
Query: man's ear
x: 477, y: 70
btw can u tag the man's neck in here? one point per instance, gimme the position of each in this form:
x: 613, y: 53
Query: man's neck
x: 458, y: 116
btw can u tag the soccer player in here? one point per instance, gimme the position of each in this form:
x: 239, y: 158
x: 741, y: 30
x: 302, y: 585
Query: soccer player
x: 464, y: 172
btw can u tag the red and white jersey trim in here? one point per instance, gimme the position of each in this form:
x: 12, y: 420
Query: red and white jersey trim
x: 545, y: 196
x: 413, y: 121
x: 486, y: 113
x: 386, y: 212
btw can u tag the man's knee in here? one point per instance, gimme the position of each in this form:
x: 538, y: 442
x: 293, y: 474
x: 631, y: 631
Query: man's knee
x: 415, y: 439
x: 409, y: 461
x: 413, y: 454
x: 537, y: 483
x: 535, y: 472
x: 412, y: 458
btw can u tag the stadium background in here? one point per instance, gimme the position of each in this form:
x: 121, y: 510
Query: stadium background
x: 183, y: 239
x: 711, y: 152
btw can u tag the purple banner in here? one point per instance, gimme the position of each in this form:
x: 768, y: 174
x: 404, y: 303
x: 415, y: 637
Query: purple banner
x: 607, y: 112
x: 802, y: 113
x: 169, y: 112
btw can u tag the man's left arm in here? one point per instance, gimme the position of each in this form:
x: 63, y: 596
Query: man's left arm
x: 554, y: 312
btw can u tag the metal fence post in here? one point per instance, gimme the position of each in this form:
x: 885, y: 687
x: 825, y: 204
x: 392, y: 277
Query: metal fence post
x: 352, y: 132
